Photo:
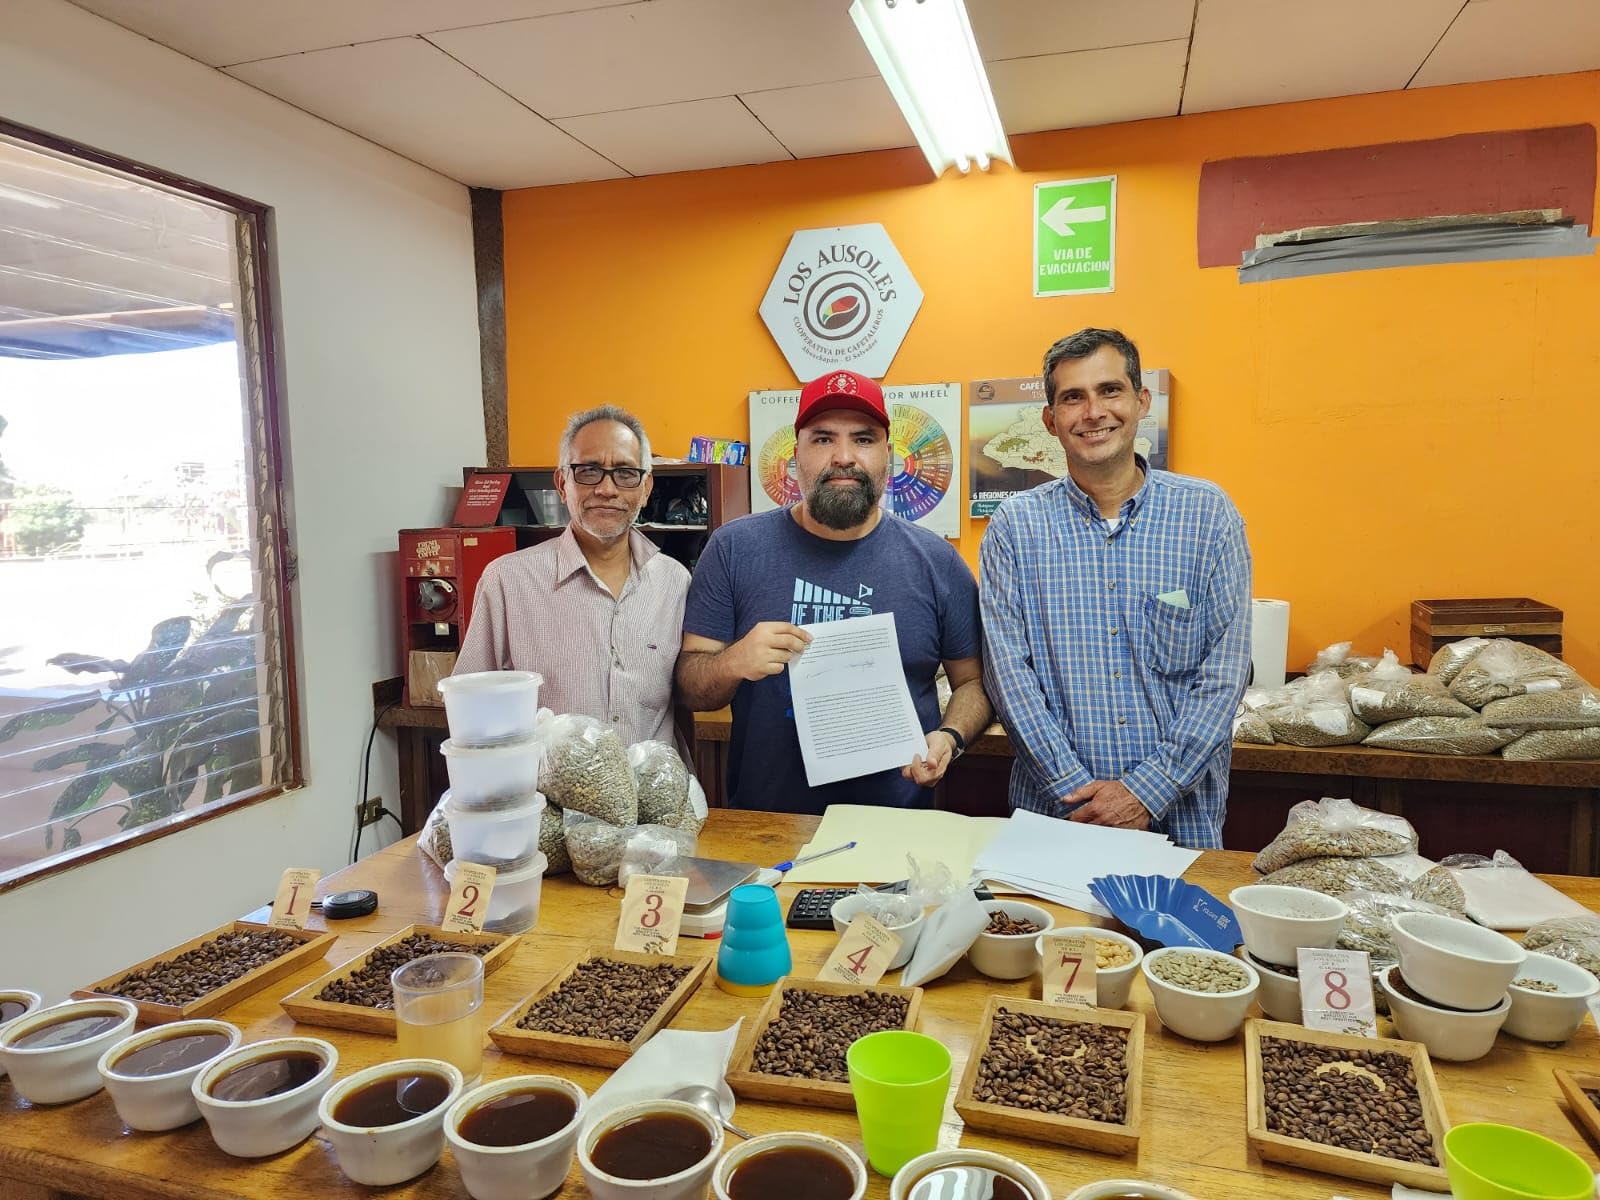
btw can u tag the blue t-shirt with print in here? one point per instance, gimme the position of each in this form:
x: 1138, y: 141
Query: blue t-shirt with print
x: 767, y: 568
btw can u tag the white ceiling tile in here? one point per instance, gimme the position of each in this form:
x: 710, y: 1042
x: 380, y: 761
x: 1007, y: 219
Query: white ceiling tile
x: 692, y: 136
x: 1503, y: 39
x: 408, y: 95
x: 832, y: 118
x: 1090, y: 87
x: 222, y: 32
x: 1024, y: 28
x: 1249, y: 52
x: 663, y: 52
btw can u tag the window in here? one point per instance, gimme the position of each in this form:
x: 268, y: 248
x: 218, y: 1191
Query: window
x: 145, y: 654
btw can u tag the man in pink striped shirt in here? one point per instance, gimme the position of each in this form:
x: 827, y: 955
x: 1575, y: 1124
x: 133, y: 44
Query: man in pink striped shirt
x: 597, y: 611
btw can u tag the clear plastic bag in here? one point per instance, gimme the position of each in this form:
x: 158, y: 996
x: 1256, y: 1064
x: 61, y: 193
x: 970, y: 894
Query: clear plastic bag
x: 1576, y: 939
x: 1367, y: 927
x: 1252, y: 729
x: 595, y: 849
x: 1337, y: 876
x: 1438, y: 886
x: 1566, y: 708
x: 653, y: 850
x: 1338, y: 659
x: 1314, y: 711
x: 1440, y: 735
x: 662, y: 782
x: 586, y: 770
x: 434, y: 840
x: 1543, y: 745
x: 1452, y: 658
x: 926, y: 886
x: 1333, y: 827
x: 553, y: 840
x: 1501, y: 893
x: 1393, y: 692
x: 1505, y: 668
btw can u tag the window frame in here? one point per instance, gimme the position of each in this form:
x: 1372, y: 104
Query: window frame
x: 261, y: 294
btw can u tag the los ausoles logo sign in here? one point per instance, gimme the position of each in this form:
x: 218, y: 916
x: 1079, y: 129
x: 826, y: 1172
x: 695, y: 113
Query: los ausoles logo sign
x: 840, y: 298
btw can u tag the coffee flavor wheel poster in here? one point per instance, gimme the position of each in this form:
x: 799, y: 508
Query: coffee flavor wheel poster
x: 924, y: 432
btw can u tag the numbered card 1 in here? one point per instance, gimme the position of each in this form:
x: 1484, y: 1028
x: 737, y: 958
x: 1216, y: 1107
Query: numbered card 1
x: 292, y: 905
x: 1069, y: 969
x: 464, y: 912
x: 863, y: 954
x: 652, y: 910
x: 1336, y: 992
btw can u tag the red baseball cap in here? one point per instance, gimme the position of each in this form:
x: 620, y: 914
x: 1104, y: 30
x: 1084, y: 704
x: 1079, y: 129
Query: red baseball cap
x: 841, y: 389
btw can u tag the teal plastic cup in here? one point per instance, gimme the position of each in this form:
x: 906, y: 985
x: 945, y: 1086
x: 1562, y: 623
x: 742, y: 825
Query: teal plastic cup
x: 1500, y: 1162
x: 754, y: 953
x: 900, y: 1081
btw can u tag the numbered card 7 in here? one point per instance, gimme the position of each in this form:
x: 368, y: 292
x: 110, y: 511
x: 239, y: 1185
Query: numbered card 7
x: 1069, y: 969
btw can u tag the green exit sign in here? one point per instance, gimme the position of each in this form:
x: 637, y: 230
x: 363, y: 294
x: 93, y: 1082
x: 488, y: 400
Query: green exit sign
x: 1075, y: 236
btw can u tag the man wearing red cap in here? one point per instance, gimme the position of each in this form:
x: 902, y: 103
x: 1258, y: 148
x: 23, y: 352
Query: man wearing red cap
x: 836, y: 554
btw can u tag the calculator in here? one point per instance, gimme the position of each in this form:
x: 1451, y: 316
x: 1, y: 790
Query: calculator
x: 812, y: 908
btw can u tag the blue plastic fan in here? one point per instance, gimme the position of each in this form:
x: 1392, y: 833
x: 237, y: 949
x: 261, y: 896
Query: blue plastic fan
x: 1169, y: 911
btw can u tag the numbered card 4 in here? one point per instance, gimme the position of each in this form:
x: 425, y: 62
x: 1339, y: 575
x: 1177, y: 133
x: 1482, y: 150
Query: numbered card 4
x: 863, y: 954
x: 1336, y: 992
x: 292, y: 905
x: 652, y: 910
x: 1069, y: 969
x: 464, y: 912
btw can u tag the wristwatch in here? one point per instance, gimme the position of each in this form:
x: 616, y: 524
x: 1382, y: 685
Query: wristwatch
x: 961, y: 742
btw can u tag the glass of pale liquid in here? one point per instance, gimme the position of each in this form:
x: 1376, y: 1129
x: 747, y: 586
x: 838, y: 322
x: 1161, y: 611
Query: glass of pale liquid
x: 436, y: 1003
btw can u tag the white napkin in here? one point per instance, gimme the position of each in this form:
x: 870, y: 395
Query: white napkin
x: 1511, y: 898
x: 673, y: 1059
x: 1402, y: 1192
x: 947, y: 934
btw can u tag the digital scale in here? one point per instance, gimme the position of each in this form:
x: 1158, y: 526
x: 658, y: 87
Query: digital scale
x: 705, y: 905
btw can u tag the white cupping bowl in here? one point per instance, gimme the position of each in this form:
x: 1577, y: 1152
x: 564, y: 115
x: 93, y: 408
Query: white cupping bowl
x: 257, y: 1128
x: 382, y: 1155
x: 733, y: 1159
x: 1200, y: 1016
x: 57, y: 1074
x: 1280, y: 992
x: 29, y: 1000
x: 527, y: 1172
x: 1549, y: 1016
x: 688, y: 1184
x: 492, y: 776
x: 1011, y: 955
x: 1109, y: 1189
x: 1455, y: 963
x: 488, y: 708
x: 844, y: 911
x: 1277, y: 921
x: 154, y: 1103
x: 1111, y: 984
x: 1448, y: 1035
x: 908, y: 1175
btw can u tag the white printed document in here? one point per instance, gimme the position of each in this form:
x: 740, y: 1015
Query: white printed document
x: 852, y: 708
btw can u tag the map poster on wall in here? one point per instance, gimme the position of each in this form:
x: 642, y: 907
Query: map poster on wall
x: 924, y: 432
x: 1011, y: 451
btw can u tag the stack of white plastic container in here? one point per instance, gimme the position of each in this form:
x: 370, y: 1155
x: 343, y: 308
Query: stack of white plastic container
x: 493, y: 804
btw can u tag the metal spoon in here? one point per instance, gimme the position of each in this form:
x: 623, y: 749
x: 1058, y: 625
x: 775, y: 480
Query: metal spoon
x: 707, y: 1100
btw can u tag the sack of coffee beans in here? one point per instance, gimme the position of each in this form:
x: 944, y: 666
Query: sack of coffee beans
x: 1314, y: 711
x: 1545, y: 744
x: 1440, y: 735
x: 1336, y: 876
x: 662, y: 782
x: 586, y: 770
x: 434, y: 840
x: 1566, y: 708
x: 653, y: 850
x: 1504, y: 668
x: 1367, y: 927
x: 1338, y: 659
x: 1393, y: 692
x: 597, y: 848
x: 1252, y: 729
x: 553, y: 840
x: 1576, y: 939
x: 1438, y: 885
x: 1335, y: 827
x: 1451, y: 659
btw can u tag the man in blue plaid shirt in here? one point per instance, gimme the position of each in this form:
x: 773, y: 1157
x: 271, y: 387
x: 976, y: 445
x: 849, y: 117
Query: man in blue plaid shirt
x: 1116, y: 616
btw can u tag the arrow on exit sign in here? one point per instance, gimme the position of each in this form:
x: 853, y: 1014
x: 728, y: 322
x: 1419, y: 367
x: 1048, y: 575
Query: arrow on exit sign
x: 1061, y: 216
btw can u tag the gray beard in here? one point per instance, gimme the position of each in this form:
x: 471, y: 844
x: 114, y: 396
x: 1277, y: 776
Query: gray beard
x: 842, y: 508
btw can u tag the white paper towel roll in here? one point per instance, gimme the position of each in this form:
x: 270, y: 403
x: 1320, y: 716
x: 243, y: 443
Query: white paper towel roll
x: 1269, y: 641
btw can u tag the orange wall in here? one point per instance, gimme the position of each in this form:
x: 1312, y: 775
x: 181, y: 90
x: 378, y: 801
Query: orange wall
x: 1388, y: 435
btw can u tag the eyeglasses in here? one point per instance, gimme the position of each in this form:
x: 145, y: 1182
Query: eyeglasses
x: 590, y: 474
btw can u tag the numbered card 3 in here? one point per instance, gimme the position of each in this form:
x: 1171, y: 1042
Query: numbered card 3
x: 652, y: 910
x: 863, y: 954
x: 292, y: 905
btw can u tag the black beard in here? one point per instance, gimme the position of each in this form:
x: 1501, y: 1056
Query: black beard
x: 842, y: 508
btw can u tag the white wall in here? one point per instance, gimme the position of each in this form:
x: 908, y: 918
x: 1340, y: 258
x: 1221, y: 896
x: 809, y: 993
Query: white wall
x: 380, y: 384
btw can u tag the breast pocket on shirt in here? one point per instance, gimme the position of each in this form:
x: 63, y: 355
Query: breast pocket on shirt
x: 1175, y: 637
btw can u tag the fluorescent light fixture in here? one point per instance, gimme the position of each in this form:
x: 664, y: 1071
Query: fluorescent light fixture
x: 29, y: 198
x: 927, y: 55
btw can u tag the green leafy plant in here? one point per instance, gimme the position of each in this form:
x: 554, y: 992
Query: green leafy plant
x: 189, y: 707
x: 45, y: 519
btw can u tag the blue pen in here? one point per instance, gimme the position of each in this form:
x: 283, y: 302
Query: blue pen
x: 795, y: 862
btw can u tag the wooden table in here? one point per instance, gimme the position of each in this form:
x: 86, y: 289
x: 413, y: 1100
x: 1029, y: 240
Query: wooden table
x: 1194, y: 1093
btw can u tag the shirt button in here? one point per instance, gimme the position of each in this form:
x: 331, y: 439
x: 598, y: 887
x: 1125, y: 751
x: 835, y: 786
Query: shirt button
x: 1113, y: 631
x: 614, y: 717
x: 1122, y: 720
x: 1116, y: 674
x: 1112, y: 585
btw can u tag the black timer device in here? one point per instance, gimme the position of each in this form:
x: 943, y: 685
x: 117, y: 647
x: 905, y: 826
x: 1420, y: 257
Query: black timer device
x: 341, y: 906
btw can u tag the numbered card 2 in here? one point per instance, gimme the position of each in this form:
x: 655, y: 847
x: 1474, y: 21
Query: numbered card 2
x: 1336, y: 992
x: 468, y: 905
x: 652, y: 910
x: 1069, y: 969
x: 863, y: 954
x: 292, y: 905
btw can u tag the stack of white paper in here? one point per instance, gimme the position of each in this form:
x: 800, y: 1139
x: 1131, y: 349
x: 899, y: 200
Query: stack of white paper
x: 1055, y: 859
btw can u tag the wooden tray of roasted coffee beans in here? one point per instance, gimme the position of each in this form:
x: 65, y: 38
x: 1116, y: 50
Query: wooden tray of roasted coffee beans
x: 599, y: 1009
x: 1365, y: 1108
x: 794, y: 1053
x: 1073, y: 1076
x: 1582, y: 1090
x: 357, y: 995
x: 211, y: 972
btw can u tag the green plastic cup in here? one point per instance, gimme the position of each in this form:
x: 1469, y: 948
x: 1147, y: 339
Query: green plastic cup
x: 1499, y: 1162
x: 900, y: 1081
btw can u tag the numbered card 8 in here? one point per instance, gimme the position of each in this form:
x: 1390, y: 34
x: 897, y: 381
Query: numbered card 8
x: 863, y: 954
x: 464, y: 912
x: 1336, y: 992
x: 1069, y: 969
x: 652, y: 910
x: 292, y: 905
